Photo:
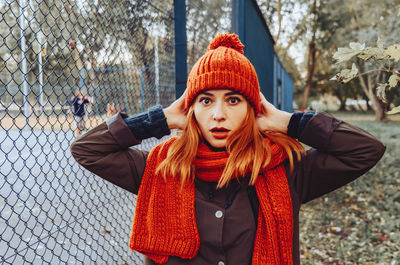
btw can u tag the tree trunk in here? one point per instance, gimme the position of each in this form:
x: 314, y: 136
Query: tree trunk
x: 369, y: 108
x: 358, y: 104
x: 278, y: 10
x: 380, y: 106
x: 342, y: 104
x: 366, y: 98
x: 370, y: 90
x: 310, y: 60
x: 300, y: 30
x: 310, y: 72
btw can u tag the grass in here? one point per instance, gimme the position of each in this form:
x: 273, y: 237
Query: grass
x: 358, y: 223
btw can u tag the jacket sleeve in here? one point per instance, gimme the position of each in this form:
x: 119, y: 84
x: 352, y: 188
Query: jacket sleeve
x: 105, y: 151
x: 340, y: 153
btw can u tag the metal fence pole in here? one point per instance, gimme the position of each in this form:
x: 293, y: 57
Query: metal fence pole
x: 126, y: 104
x: 142, y: 88
x: 81, y: 81
x: 157, y: 81
x: 180, y: 47
x: 40, y: 38
x: 22, y: 6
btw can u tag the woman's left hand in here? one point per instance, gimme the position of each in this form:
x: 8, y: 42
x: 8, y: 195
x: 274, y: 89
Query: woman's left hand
x: 176, y: 113
x: 272, y: 119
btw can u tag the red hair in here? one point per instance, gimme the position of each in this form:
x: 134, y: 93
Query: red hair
x: 246, y: 146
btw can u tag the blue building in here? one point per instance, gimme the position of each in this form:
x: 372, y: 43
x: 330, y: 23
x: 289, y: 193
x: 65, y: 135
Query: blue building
x: 249, y: 23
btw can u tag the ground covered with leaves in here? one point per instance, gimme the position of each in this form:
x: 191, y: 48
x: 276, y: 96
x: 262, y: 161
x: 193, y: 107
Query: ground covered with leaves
x: 359, y: 223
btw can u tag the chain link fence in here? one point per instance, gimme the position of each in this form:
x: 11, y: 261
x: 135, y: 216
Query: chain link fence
x: 118, y: 54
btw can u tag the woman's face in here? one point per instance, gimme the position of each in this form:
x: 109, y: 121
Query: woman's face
x: 219, y: 112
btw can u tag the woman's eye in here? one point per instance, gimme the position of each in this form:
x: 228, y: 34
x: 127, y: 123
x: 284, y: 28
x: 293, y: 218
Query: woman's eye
x: 205, y: 101
x: 234, y: 100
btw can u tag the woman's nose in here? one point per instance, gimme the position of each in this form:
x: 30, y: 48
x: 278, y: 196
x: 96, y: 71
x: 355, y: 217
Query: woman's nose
x: 219, y: 112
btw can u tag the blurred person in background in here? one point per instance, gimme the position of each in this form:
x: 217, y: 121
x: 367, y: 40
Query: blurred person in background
x: 78, y: 102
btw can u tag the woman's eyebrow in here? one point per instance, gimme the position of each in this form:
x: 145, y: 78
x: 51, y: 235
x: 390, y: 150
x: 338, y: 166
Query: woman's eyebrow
x: 226, y: 94
x: 232, y: 93
x: 207, y: 94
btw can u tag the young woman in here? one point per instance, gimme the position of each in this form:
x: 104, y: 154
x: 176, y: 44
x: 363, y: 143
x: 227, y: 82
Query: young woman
x: 228, y: 190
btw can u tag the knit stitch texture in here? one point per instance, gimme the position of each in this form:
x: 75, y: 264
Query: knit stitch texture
x: 224, y: 67
x: 165, y: 224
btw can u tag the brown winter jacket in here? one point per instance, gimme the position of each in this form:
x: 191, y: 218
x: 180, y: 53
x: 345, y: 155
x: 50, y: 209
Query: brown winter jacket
x: 226, y: 218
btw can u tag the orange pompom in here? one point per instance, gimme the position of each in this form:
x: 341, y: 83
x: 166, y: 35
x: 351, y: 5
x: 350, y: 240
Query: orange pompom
x: 227, y: 40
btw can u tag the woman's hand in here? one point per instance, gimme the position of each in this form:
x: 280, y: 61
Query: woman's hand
x: 176, y: 113
x: 271, y: 119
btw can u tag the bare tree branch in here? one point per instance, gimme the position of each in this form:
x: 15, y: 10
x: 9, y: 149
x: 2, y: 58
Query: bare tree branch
x: 279, y: 10
x: 362, y: 81
x: 300, y: 28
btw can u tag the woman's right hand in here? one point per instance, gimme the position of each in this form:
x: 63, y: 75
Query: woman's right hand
x: 272, y: 119
x: 176, y: 113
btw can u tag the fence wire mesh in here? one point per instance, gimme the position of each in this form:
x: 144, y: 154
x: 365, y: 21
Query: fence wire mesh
x: 117, y: 56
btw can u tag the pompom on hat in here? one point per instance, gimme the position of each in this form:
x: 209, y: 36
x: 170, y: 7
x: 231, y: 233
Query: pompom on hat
x: 224, y: 66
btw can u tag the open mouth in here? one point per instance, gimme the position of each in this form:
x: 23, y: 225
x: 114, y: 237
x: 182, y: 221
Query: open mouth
x: 219, y: 133
x: 219, y: 130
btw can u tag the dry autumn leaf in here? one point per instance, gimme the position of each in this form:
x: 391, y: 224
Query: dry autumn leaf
x: 395, y: 110
x: 393, y: 80
x: 345, y: 54
x: 393, y: 52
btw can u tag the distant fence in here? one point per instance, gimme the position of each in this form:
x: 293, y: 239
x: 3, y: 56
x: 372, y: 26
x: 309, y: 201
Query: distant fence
x: 120, y: 53
x: 118, y: 92
x: 117, y: 53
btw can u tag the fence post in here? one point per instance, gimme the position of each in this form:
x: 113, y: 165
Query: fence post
x: 142, y: 86
x: 96, y: 98
x: 40, y: 55
x: 180, y: 47
x: 81, y: 81
x: 157, y: 72
x: 22, y: 6
x: 126, y: 104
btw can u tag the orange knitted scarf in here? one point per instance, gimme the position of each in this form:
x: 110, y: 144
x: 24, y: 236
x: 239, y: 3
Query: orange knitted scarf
x: 165, y: 224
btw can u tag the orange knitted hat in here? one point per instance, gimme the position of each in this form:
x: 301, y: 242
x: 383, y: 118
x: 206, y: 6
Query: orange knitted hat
x: 224, y: 66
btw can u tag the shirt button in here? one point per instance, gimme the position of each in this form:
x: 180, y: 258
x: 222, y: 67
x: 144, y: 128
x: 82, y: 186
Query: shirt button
x: 221, y: 263
x: 218, y: 214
